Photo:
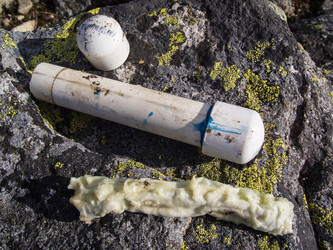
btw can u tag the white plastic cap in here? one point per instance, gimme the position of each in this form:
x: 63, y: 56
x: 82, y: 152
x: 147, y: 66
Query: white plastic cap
x: 103, y: 42
x: 233, y: 133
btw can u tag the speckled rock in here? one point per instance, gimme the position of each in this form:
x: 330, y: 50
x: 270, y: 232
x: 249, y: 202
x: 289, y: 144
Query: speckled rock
x: 234, y: 51
x: 67, y: 8
x: 316, y: 36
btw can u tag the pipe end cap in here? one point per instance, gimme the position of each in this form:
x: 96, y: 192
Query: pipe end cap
x: 102, y: 41
x: 233, y: 133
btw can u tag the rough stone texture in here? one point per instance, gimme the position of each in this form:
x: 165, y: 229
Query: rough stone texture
x: 234, y: 51
x: 24, y: 6
x: 69, y: 8
x: 26, y: 26
x: 316, y: 36
x: 6, y: 4
x: 287, y: 6
x: 326, y: 5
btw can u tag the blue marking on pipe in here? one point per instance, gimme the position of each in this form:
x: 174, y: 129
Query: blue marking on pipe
x: 223, y: 128
x: 97, y: 93
x: 201, y: 126
x: 145, y: 121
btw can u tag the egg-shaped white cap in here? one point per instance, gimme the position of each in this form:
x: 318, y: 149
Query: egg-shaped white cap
x: 233, y: 133
x: 103, y: 42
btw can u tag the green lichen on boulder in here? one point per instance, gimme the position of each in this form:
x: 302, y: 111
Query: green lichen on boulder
x: 229, y: 75
x: 258, y: 92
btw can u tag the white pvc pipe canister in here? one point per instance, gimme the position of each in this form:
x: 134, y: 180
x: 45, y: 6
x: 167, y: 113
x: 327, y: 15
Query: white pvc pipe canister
x: 223, y: 130
x: 103, y: 42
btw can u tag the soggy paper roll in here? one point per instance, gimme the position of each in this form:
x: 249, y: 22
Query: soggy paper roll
x: 96, y: 196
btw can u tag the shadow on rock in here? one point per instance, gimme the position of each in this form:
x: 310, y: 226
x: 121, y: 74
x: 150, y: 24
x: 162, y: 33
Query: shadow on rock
x: 50, y: 196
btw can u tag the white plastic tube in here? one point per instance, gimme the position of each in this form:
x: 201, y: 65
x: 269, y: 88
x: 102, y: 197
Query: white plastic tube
x: 223, y: 130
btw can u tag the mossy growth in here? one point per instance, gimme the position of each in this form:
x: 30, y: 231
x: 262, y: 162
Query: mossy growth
x: 258, y: 92
x: 79, y: 122
x: 229, y: 75
x: 257, y: 178
x: 321, y: 216
x: 203, y: 235
x: 62, y: 48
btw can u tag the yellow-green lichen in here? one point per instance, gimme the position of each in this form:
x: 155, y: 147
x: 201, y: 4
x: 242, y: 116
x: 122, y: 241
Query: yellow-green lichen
x: 165, y: 89
x: 58, y: 165
x: 198, y: 72
x: 166, y: 58
x: 229, y: 75
x: 51, y: 115
x: 282, y: 71
x: 331, y: 95
x: 123, y: 166
x: 152, y: 14
x: 256, y: 54
x: 205, y: 235
x: 231, y: 48
x: 176, y: 38
x: 264, y: 244
x: 183, y: 246
x: 327, y: 72
x: 10, y: 110
x: 278, y: 11
x: 267, y: 64
x: 63, y: 48
x: 173, y: 20
x: 164, y: 12
x: 257, y: 178
x: 227, y: 240
x: 103, y: 139
x: 321, y: 216
x: 9, y: 42
x: 305, y: 202
x: 79, y: 122
x: 258, y: 92
x: 317, y: 27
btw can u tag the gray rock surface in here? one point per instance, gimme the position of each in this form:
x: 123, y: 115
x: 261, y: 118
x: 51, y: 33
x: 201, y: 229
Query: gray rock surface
x: 234, y: 51
x: 316, y: 36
